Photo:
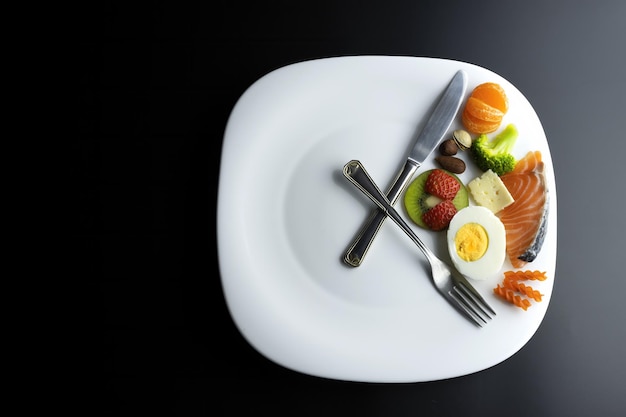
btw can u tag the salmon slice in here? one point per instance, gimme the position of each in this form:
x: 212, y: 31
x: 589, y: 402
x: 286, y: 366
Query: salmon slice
x: 525, y: 220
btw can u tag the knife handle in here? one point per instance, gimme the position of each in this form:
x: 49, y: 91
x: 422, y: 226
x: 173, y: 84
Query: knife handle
x: 361, y: 244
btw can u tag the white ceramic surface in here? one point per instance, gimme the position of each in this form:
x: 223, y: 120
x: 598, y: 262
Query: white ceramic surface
x: 286, y: 215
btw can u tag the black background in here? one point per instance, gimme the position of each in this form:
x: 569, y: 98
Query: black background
x: 157, y: 84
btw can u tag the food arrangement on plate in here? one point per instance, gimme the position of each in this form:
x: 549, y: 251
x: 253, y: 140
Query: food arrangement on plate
x: 508, y: 216
x: 286, y: 214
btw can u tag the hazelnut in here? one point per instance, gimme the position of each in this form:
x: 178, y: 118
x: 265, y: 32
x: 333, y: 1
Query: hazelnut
x: 448, y: 147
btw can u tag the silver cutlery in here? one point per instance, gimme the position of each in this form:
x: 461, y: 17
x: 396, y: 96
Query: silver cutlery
x: 432, y: 133
x: 449, y: 282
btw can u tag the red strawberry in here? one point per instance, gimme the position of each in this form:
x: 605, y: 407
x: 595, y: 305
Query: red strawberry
x: 442, y: 184
x: 438, y: 217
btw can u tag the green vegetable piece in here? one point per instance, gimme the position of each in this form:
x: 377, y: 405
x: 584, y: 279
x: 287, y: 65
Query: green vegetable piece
x: 496, y: 154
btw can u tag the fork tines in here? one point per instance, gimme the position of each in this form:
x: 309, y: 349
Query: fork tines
x: 473, y: 305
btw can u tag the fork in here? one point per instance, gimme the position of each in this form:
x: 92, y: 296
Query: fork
x: 449, y: 282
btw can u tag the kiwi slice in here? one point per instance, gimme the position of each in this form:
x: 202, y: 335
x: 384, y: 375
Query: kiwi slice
x: 417, y: 201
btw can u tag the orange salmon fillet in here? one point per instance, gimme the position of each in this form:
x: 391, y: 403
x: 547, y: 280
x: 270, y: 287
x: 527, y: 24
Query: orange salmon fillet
x: 524, y: 220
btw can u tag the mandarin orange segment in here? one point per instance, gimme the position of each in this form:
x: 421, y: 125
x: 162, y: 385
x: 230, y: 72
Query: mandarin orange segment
x: 492, y: 94
x: 483, y: 111
x: 475, y: 125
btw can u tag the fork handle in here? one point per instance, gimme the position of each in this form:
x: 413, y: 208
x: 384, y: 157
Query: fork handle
x: 361, y: 244
x: 355, y: 172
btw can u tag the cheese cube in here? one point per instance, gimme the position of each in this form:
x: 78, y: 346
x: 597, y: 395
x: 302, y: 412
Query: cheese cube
x: 489, y: 191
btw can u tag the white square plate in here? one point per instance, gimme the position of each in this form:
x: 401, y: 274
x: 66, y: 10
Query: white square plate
x: 286, y: 216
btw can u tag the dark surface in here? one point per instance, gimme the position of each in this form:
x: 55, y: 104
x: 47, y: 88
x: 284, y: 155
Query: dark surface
x: 157, y: 87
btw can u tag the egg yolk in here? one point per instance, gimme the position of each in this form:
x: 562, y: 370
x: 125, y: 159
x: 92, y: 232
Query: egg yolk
x: 471, y: 242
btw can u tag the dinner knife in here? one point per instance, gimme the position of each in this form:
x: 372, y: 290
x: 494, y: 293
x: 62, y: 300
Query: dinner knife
x: 436, y: 127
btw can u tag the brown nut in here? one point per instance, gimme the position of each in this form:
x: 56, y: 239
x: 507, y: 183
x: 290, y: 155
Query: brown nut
x: 448, y: 147
x: 451, y: 163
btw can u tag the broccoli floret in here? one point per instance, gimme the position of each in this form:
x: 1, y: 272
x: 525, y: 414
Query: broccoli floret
x: 496, y: 154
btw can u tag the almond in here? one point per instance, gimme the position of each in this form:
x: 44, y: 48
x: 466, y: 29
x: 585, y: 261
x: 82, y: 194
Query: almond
x: 451, y: 163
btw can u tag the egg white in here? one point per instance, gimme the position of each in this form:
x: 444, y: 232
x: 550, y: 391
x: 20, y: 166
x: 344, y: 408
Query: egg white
x: 492, y: 260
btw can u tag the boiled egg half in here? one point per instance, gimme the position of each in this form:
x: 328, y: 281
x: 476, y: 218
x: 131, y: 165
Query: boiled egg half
x: 476, y: 242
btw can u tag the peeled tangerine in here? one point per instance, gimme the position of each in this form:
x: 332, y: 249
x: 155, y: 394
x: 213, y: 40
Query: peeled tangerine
x: 492, y: 94
x: 476, y: 125
x: 485, y: 108
x: 483, y: 111
x: 525, y: 220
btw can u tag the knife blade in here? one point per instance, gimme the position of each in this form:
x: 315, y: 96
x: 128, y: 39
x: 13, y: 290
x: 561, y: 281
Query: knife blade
x: 429, y: 137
